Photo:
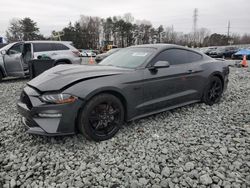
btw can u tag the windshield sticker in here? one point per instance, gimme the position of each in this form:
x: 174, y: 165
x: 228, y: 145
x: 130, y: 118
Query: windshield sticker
x: 140, y: 54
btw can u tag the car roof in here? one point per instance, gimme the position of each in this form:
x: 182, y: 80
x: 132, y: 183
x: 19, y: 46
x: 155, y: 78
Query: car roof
x: 46, y: 41
x: 156, y: 46
x: 162, y: 46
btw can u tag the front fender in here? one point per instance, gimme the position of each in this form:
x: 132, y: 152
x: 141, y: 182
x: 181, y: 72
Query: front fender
x: 102, y: 90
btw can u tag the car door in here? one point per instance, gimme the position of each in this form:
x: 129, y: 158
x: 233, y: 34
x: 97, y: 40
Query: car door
x: 13, y: 60
x: 42, y: 49
x: 27, y: 55
x: 60, y: 51
x: 170, y: 86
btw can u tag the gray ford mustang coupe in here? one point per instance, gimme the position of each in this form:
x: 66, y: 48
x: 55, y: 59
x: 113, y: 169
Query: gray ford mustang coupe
x: 135, y: 82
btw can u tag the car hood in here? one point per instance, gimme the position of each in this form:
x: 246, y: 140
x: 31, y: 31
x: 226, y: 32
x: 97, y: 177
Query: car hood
x: 61, y: 76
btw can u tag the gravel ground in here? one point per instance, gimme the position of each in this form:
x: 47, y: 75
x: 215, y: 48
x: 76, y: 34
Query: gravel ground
x: 192, y: 146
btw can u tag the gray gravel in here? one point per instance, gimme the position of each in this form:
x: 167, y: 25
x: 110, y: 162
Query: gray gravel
x: 193, y: 146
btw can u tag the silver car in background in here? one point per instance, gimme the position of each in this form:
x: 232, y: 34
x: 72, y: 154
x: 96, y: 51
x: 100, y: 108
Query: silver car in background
x: 14, y: 57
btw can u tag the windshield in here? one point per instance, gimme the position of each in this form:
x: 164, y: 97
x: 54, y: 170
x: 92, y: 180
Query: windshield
x: 128, y: 57
x: 6, y: 47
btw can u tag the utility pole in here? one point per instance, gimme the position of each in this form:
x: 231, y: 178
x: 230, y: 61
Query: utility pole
x: 228, y: 29
x: 195, y: 17
x: 172, y: 34
x: 228, y: 33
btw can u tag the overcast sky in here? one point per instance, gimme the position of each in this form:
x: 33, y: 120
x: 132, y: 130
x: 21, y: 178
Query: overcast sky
x: 55, y: 14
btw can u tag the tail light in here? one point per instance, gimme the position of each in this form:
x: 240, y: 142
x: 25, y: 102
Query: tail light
x: 77, y: 53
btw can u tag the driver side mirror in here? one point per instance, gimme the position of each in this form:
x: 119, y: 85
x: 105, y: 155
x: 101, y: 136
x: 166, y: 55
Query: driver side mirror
x: 160, y: 64
x: 3, y: 52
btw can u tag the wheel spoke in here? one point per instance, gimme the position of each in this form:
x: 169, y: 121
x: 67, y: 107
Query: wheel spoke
x: 217, y: 88
x: 98, y: 125
x: 214, y: 84
x: 108, y: 106
x: 114, y: 112
x: 94, y: 118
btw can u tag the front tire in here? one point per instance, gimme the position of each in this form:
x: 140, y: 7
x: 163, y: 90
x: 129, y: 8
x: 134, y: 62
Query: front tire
x: 213, y: 92
x: 101, y: 118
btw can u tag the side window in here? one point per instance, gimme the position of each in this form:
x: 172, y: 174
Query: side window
x: 58, y: 46
x: 42, y: 47
x: 192, y: 57
x: 16, y: 49
x: 61, y: 47
x: 178, y: 56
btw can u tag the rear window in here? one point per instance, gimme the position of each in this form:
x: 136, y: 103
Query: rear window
x: 58, y: 46
x: 42, y: 47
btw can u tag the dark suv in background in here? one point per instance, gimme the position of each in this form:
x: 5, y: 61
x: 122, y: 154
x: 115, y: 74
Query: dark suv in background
x: 223, y: 52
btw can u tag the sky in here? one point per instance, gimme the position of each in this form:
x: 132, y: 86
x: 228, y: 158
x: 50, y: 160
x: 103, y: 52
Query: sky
x: 56, y: 14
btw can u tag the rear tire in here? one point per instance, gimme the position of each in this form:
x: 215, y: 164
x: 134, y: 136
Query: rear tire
x: 101, y: 118
x: 213, y: 91
x: 1, y: 76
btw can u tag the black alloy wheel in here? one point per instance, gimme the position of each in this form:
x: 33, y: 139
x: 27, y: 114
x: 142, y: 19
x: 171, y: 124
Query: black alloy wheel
x: 101, y: 118
x: 213, y: 91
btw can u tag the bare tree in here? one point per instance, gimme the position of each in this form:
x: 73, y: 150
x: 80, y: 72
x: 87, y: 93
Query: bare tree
x: 127, y: 17
x: 14, y: 32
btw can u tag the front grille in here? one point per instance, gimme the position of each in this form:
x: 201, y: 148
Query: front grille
x: 25, y: 99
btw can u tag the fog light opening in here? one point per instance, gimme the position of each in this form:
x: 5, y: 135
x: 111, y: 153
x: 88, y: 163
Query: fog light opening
x: 50, y: 115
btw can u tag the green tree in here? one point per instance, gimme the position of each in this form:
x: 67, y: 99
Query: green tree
x: 24, y: 29
x: 29, y: 29
x: 216, y: 40
x: 107, y: 29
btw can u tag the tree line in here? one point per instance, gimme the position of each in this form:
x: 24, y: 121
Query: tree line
x: 94, y: 32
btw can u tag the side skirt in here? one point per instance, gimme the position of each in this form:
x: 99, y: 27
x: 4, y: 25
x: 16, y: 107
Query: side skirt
x: 163, y: 110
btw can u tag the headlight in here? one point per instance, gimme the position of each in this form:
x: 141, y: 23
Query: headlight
x: 58, y: 98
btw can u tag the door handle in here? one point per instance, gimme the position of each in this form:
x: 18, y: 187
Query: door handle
x: 190, y: 71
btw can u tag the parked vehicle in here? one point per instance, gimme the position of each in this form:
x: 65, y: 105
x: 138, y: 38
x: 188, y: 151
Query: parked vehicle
x: 88, y: 53
x: 207, y: 50
x: 14, y: 57
x: 132, y: 83
x: 102, y: 56
x: 239, y: 55
x: 223, y: 52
